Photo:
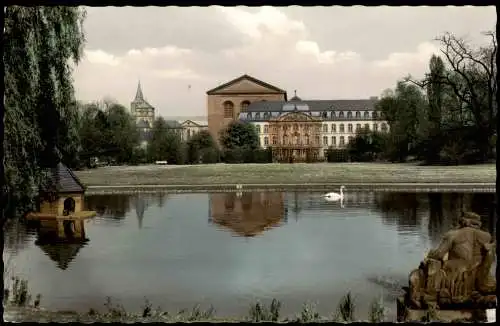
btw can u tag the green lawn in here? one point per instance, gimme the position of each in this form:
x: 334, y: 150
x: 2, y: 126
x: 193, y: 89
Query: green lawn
x: 286, y: 174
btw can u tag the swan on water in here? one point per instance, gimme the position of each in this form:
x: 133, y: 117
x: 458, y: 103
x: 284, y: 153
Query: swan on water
x: 335, y: 196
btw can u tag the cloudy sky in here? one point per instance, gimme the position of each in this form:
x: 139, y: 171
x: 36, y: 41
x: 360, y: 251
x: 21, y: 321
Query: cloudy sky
x: 322, y: 52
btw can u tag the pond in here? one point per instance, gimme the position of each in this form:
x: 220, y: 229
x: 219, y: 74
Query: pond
x: 231, y: 249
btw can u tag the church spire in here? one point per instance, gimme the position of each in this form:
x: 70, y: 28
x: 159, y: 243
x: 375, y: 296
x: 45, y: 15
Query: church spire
x: 138, y: 95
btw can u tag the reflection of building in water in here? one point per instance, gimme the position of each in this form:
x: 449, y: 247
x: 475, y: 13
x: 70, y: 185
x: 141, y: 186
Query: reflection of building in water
x: 109, y: 206
x: 61, y: 253
x: 141, y: 204
x: 249, y: 214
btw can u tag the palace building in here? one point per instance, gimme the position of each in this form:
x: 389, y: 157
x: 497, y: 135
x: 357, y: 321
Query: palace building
x: 295, y: 129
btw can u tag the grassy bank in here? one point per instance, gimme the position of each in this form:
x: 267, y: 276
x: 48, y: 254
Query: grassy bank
x: 286, y: 174
x: 20, y: 307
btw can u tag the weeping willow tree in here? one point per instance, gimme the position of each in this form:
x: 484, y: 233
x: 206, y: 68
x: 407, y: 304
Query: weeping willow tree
x: 41, y: 45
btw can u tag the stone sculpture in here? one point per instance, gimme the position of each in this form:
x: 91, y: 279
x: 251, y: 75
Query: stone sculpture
x: 456, y: 275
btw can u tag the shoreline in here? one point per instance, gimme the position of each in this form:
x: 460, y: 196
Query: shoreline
x: 301, y: 176
x: 428, y: 187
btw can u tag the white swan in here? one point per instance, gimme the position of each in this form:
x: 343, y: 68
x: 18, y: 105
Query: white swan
x: 333, y: 196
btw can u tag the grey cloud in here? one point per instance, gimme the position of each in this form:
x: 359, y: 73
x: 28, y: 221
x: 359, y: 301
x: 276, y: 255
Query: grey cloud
x: 378, y: 31
x: 118, y: 29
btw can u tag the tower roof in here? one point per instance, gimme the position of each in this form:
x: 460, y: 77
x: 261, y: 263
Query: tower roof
x: 139, y: 97
x: 295, y: 97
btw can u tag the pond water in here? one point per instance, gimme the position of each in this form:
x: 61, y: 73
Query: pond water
x: 229, y: 250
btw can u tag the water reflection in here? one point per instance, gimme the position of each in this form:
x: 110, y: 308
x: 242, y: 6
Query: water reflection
x: 109, y: 206
x: 180, y: 258
x: 247, y: 214
x: 440, y: 211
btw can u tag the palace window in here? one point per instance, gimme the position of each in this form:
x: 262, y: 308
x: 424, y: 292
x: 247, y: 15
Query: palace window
x: 316, y: 140
x: 341, y: 127
x: 349, y: 139
x: 383, y: 127
x: 296, y: 139
x: 375, y: 127
x: 341, y: 141
x: 257, y: 115
x: 307, y: 139
x: 367, y: 126
x: 349, y: 114
x: 358, y: 115
x: 358, y: 127
x: 334, y: 141
x: 228, y: 109
x: 325, y: 128
x: 325, y: 140
x: 284, y: 139
x: 266, y: 129
x: 334, y: 127
x: 366, y: 115
x: 266, y: 141
x: 258, y: 128
x: 349, y: 127
x: 374, y: 115
x: 275, y: 140
x: 266, y: 115
x: 324, y: 115
x: 341, y: 114
x: 295, y: 127
x: 249, y: 116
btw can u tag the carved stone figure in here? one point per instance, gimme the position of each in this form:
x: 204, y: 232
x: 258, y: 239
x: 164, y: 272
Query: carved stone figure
x: 457, y: 272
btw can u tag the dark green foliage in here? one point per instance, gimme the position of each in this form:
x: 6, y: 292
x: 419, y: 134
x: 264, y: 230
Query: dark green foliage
x: 165, y: 144
x: 201, y: 148
x: 337, y: 155
x: 240, y: 143
x: 366, y: 146
x: 40, y: 117
x: 108, y: 134
x: 238, y: 135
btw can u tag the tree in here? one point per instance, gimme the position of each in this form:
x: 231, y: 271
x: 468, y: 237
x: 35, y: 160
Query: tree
x: 239, y: 135
x: 366, y: 146
x: 470, y: 76
x: 403, y: 110
x: 39, y: 44
x: 202, y: 147
x: 165, y: 143
x: 123, y: 133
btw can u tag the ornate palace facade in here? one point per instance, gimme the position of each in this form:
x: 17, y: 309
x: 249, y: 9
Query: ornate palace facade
x: 295, y: 129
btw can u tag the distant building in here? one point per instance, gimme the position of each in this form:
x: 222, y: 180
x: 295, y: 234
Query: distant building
x: 191, y: 128
x: 144, y: 114
x: 295, y: 129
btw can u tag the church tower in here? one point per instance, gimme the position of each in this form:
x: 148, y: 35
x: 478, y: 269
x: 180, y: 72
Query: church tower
x: 143, y: 112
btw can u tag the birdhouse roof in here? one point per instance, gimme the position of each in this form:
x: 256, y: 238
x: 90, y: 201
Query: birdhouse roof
x: 64, y: 180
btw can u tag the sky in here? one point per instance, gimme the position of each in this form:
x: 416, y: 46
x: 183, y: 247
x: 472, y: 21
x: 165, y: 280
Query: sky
x: 178, y: 53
